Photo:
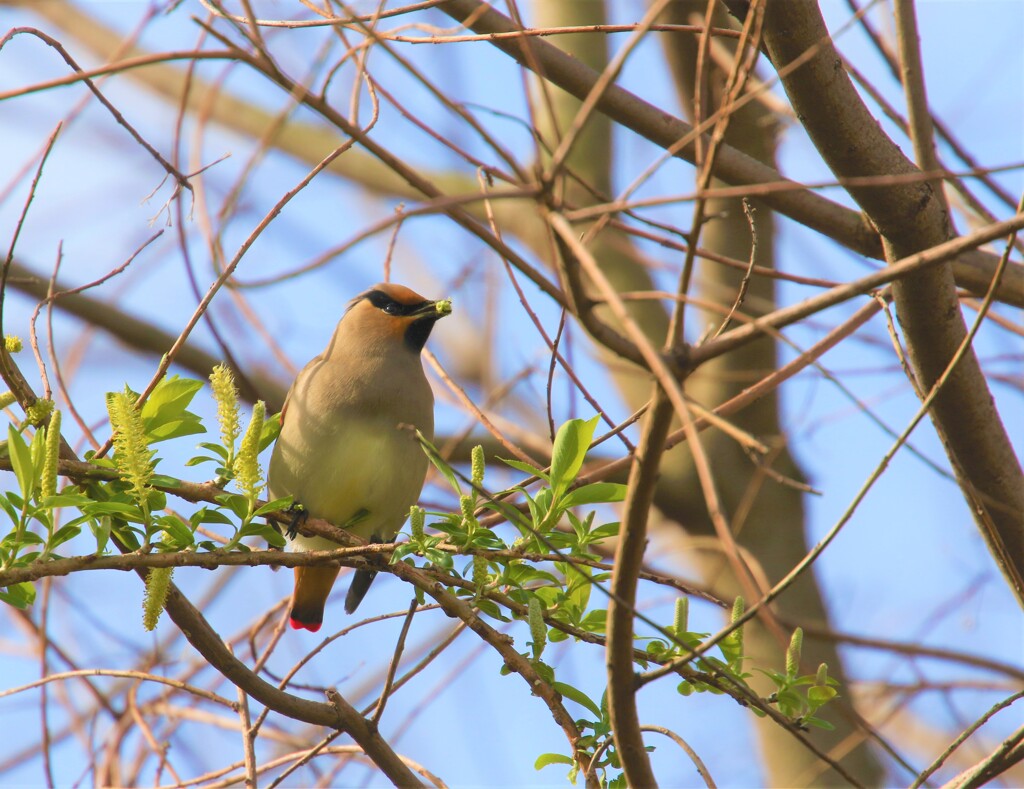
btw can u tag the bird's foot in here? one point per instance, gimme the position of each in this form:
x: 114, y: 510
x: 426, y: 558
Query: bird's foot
x: 299, y: 515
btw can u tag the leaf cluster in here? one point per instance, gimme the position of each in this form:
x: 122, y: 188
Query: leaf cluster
x: 501, y: 577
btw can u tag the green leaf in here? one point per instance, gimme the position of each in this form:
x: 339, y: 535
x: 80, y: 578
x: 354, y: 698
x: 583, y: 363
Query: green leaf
x: 68, y: 499
x: 235, y: 502
x: 526, y: 468
x: 10, y: 508
x: 165, y: 414
x: 820, y: 694
x: 791, y: 703
x: 595, y: 621
x: 594, y: 493
x: 178, y: 534
x: 774, y: 676
x: 579, y: 697
x: 21, y: 461
x: 268, y: 533
x: 439, y: 557
x: 439, y: 463
x: 546, y: 759
x: 19, y: 595
x: 171, y: 395
x: 156, y: 500
x: 207, y: 515
x: 269, y: 431
x: 216, y: 449
x: 101, y: 529
x: 64, y: 533
x: 571, y: 444
x: 99, y: 508
x: 818, y: 723
x: 490, y: 608
x: 401, y: 551
x: 544, y: 671
x: 29, y: 538
x: 605, y: 531
x: 536, y: 515
x: 275, y: 506
x: 522, y: 574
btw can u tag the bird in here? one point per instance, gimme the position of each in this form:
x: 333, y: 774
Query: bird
x: 348, y: 452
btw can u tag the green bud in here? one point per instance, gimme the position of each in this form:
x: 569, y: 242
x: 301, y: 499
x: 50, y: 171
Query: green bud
x: 7, y: 398
x: 822, y: 676
x: 480, y: 574
x: 13, y: 343
x: 682, y: 615
x: 477, y: 465
x: 736, y: 637
x: 796, y: 644
x: 48, y: 486
x: 469, y: 521
x: 538, y: 630
x: 417, y: 515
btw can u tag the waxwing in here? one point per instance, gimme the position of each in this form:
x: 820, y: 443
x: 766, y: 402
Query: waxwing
x: 348, y: 451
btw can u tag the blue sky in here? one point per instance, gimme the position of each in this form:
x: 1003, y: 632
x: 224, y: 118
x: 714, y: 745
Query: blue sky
x: 910, y: 565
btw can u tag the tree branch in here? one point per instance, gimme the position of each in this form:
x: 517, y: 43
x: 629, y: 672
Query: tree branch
x: 847, y: 227
x: 629, y: 552
x: 910, y: 218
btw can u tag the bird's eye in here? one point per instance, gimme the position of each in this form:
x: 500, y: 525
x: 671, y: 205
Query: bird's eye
x: 392, y: 308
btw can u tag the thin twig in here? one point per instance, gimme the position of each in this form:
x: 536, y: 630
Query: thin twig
x: 393, y: 666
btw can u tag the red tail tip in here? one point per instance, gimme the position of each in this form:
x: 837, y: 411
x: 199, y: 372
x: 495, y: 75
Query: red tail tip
x: 310, y: 626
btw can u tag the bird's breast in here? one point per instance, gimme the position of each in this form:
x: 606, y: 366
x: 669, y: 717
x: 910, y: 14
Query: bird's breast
x: 348, y: 445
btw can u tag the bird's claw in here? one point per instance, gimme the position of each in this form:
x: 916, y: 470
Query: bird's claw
x: 299, y: 515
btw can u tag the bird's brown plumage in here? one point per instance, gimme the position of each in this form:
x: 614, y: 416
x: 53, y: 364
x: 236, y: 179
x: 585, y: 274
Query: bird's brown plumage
x: 348, y: 443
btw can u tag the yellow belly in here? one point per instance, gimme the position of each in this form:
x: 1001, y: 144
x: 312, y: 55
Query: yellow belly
x: 373, y: 465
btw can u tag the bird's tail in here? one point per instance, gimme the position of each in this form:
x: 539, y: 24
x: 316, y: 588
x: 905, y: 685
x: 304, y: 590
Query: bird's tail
x: 312, y: 587
x: 361, y: 581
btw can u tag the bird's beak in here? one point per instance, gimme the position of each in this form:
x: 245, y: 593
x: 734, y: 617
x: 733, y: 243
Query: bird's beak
x: 434, y: 310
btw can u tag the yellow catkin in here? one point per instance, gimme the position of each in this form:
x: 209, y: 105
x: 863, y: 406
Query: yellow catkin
x: 248, y: 473
x: 133, y: 458
x: 39, y: 411
x: 158, y: 582
x: 477, y: 465
x: 225, y: 393
x: 48, y: 486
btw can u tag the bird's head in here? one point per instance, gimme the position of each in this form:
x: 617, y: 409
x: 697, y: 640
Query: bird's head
x: 394, y: 313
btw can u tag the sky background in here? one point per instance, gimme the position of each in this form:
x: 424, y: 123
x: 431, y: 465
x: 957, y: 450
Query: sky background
x: 909, y: 566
